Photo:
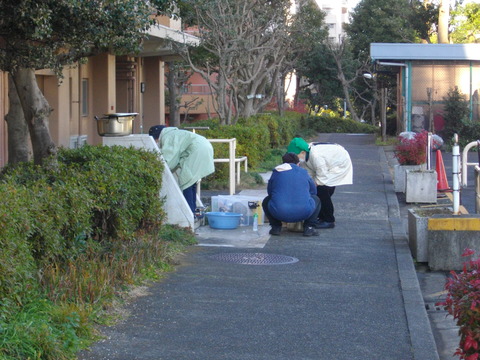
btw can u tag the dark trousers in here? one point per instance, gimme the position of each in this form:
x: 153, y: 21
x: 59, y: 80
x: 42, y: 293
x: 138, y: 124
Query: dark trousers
x: 190, y: 195
x: 276, y: 223
x: 326, y: 209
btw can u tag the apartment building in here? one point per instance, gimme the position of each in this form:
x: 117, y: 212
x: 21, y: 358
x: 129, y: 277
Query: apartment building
x: 336, y: 14
x: 105, y: 84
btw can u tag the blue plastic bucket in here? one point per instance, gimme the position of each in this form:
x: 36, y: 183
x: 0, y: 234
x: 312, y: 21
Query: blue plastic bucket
x: 223, y: 220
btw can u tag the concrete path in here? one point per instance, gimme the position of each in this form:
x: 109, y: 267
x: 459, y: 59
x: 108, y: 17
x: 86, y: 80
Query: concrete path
x: 350, y: 293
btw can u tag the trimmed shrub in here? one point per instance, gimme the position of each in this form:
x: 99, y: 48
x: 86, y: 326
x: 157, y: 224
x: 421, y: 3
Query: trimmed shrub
x: 462, y: 301
x: 49, y: 215
x: 323, y: 124
x: 71, y: 233
x: 255, y: 136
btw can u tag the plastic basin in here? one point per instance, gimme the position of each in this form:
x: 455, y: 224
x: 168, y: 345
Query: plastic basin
x: 223, y: 220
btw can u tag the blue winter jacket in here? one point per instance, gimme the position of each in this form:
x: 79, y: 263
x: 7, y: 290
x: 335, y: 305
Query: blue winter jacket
x: 291, y: 189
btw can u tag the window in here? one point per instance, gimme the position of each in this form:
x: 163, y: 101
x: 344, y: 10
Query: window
x: 84, y: 97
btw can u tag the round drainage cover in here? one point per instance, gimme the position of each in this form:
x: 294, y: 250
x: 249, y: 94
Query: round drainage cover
x: 254, y: 259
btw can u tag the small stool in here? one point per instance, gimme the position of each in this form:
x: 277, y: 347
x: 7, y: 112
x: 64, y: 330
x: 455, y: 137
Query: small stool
x: 295, y: 227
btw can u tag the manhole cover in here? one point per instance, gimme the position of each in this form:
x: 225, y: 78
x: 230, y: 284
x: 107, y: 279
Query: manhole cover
x: 255, y: 259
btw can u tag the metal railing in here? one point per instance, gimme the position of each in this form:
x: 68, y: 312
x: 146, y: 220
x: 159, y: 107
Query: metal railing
x: 465, y: 162
x: 477, y: 189
x: 232, y: 160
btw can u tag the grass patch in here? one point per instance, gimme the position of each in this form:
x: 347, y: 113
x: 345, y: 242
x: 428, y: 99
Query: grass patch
x: 390, y: 141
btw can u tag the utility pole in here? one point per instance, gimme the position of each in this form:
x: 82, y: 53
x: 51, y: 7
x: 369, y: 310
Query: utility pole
x: 383, y: 112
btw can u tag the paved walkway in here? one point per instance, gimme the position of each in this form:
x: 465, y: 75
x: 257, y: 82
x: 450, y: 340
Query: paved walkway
x: 352, y: 294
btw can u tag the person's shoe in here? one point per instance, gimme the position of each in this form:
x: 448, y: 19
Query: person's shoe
x: 275, y: 231
x: 325, y: 225
x: 309, y: 231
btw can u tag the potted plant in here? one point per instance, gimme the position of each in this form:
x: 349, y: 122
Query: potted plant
x: 463, y: 299
x: 411, y: 154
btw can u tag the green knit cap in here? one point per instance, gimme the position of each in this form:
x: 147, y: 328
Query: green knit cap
x: 297, y: 145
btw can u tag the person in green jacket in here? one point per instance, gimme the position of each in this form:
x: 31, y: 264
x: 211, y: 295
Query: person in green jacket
x: 188, y: 155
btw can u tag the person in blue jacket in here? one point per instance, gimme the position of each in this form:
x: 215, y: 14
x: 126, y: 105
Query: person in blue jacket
x: 291, y: 197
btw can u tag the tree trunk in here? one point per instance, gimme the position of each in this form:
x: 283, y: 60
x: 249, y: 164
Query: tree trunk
x: 346, y: 92
x: 172, y: 94
x: 443, y: 17
x: 222, y: 100
x: 281, y: 96
x: 36, y: 110
x: 338, y: 53
x: 17, y: 127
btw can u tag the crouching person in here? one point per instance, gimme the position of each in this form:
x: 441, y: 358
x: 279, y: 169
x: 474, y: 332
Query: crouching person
x: 291, y: 197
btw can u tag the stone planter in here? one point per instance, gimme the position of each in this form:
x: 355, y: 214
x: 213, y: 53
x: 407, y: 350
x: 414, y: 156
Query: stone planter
x: 448, y: 237
x: 421, y: 186
x: 418, y: 229
x: 400, y: 175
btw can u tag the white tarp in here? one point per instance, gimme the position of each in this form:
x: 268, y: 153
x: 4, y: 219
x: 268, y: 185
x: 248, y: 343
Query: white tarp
x: 176, y: 207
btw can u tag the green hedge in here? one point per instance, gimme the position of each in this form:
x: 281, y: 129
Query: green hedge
x: 64, y: 226
x: 255, y: 136
x: 261, y: 133
x: 94, y: 192
x: 323, y: 124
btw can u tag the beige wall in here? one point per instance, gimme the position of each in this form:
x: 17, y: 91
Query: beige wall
x: 175, y: 24
x: 153, y: 75
x: 105, y: 95
x: 102, y: 85
x: 58, y: 96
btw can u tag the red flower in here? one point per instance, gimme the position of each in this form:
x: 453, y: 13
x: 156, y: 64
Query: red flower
x: 468, y: 252
x: 412, y: 150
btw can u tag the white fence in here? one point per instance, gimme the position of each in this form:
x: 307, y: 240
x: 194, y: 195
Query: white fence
x: 233, y: 161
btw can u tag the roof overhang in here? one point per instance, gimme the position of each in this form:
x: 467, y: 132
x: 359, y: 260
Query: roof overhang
x: 160, y: 38
x: 407, y: 52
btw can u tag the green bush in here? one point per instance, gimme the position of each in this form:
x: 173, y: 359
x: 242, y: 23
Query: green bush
x: 323, y: 124
x: 456, y: 115
x: 255, y: 136
x: 72, y: 233
x: 259, y: 134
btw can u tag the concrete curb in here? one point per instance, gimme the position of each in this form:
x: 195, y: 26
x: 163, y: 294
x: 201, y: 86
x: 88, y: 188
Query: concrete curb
x: 420, y: 331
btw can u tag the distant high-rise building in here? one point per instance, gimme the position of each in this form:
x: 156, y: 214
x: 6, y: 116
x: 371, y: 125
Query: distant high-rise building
x: 336, y: 14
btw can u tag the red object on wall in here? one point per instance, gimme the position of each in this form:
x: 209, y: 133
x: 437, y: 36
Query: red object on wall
x: 438, y: 122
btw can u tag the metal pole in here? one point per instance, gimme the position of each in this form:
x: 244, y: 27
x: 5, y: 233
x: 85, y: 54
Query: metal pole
x: 231, y: 156
x: 456, y: 174
x: 429, y: 151
x: 383, y: 95
x: 477, y: 189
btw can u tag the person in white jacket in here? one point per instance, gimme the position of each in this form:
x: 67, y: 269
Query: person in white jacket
x: 329, y: 165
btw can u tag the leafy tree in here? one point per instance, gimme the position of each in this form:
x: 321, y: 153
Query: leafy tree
x: 424, y: 19
x: 348, y: 71
x: 320, y: 71
x: 466, y: 23
x: 246, y: 42
x: 312, y: 62
x: 178, y: 76
x: 381, y: 21
x: 385, y: 21
x: 456, y: 113
x: 50, y: 34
